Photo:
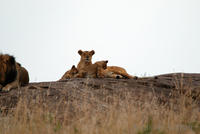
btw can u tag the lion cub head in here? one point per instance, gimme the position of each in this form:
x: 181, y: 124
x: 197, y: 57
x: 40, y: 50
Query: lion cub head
x: 101, y: 67
x: 102, y: 64
x: 70, y: 73
x: 8, y: 71
x: 86, y: 56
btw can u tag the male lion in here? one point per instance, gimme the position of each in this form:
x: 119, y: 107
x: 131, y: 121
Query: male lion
x: 12, y: 74
x: 70, y: 73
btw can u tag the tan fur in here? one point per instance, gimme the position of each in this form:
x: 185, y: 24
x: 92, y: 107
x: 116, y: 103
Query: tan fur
x: 86, y: 59
x: 103, y: 72
x: 93, y: 70
x: 119, y: 71
x: 21, y: 78
x: 70, y: 73
x: 108, y: 74
x: 113, y: 72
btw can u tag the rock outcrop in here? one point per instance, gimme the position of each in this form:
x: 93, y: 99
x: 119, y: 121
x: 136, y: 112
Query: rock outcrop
x: 99, y: 92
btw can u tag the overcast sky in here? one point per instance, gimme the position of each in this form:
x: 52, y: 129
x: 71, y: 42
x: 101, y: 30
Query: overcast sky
x: 146, y: 37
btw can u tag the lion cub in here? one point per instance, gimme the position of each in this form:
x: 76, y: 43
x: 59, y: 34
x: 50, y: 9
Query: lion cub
x: 70, y: 73
x: 103, y: 72
x: 12, y: 74
x: 93, y: 70
x: 119, y: 71
x: 113, y: 72
x: 86, y: 59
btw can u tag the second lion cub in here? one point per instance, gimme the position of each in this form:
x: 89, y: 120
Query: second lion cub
x: 113, y: 72
x: 119, y: 71
x: 70, y: 73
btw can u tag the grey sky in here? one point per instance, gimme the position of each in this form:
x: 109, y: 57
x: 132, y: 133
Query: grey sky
x: 144, y: 36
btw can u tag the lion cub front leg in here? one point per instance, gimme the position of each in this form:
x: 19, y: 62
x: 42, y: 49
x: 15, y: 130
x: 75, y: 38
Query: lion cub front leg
x: 81, y: 74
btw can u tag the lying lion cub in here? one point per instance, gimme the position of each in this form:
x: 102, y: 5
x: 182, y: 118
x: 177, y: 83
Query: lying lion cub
x: 100, y: 70
x: 119, y: 71
x: 103, y: 72
x: 113, y: 72
x: 70, y: 73
x: 12, y: 74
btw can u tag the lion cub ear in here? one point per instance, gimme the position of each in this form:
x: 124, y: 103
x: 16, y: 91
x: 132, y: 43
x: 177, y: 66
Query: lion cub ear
x: 92, y: 52
x: 80, y: 52
x: 73, y: 67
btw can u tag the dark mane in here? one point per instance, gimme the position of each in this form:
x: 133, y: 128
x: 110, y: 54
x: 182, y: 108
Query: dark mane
x: 8, y: 69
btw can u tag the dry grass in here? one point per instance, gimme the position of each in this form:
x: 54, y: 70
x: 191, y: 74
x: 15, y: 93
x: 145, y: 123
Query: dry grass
x: 121, y: 116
